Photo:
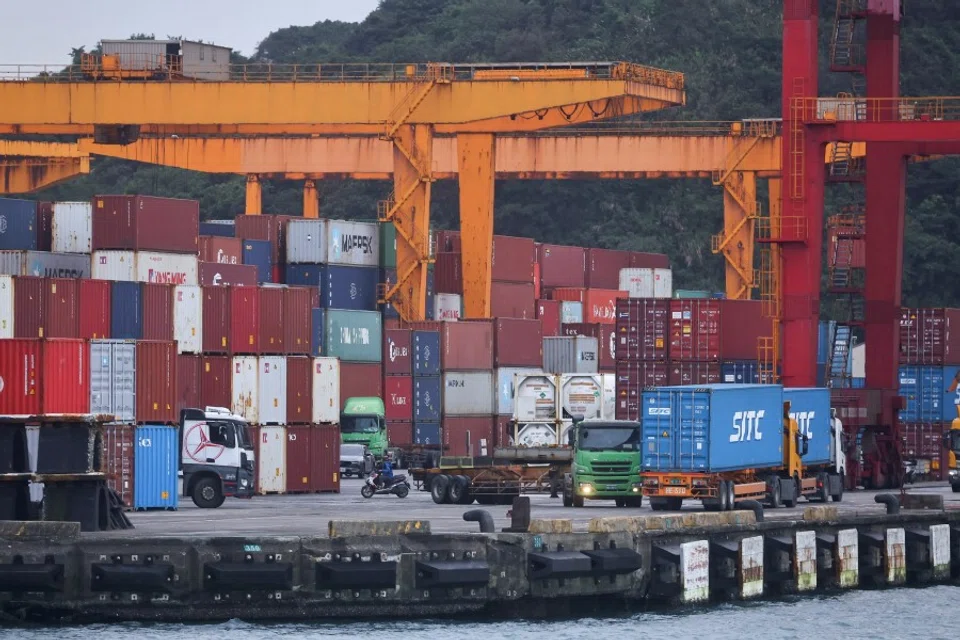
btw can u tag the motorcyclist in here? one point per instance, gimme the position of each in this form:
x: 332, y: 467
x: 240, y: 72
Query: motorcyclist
x: 386, y: 470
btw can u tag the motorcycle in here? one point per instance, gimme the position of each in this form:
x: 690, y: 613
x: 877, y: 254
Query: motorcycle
x: 374, y: 485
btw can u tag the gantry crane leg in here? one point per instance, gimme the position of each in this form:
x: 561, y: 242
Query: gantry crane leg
x: 311, y: 200
x: 254, y: 195
x: 738, y: 238
x: 477, y: 161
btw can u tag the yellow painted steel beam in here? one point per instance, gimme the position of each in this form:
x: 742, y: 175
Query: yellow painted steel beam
x: 34, y: 149
x: 27, y: 175
x: 476, y: 162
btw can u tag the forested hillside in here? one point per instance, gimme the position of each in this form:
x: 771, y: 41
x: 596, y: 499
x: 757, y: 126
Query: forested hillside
x: 730, y: 51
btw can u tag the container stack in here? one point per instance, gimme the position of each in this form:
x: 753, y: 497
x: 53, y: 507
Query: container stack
x: 466, y: 360
x: 398, y: 385
x: 518, y: 352
x: 427, y: 388
x: 642, y: 348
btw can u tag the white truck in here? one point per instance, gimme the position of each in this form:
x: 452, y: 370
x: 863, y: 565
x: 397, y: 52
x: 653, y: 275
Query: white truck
x: 217, y: 458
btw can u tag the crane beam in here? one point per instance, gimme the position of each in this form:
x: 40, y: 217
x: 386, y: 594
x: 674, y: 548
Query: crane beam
x: 25, y: 175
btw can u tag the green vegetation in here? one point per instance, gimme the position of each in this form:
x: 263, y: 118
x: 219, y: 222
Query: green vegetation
x: 731, y: 53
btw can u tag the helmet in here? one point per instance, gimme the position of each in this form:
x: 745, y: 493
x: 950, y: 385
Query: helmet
x: 388, y: 456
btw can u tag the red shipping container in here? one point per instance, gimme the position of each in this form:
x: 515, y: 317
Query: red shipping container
x: 448, y: 273
x: 599, y: 305
x: 468, y: 436
x: 118, y: 452
x: 299, y: 390
x: 926, y: 336
x: 28, y: 311
x: 922, y: 440
x: 711, y: 330
x: 548, y: 311
x: 146, y: 223
x: 325, y: 458
x: 512, y: 259
x: 314, y: 297
x: 693, y: 372
x: 188, y: 382
x: 643, y: 329
x: 397, y: 352
x: 512, y: 300
x: 517, y: 343
x: 270, y: 307
x: 467, y: 345
x: 215, y: 380
x: 157, y: 383
x: 61, y: 304
x: 603, y: 268
x: 221, y: 250
x: 214, y: 274
x: 44, y: 226
x: 157, y: 311
x: 561, y: 266
x: 392, y: 323
x: 94, y: 314
x: 299, y: 472
x: 648, y: 260
x: 244, y: 316
x: 631, y: 378
x: 44, y: 376
x: 216, y: 319
x: 296, y: 319
x: 398, y: 398
x: 400, y: 434
x: 269, y: 227
x: 360, y: 380
x: 447, y: 241
x: 606, y: 336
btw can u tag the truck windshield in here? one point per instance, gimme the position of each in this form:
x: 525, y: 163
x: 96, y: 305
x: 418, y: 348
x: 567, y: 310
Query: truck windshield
x: 243, y: 436
x: 359, y: 424
x: 609, y: 439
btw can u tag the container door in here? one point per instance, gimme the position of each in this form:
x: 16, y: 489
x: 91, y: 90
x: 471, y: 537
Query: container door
x: 272, y: 381
x: 155, y: 467
x: 659, y: 441
x: 693, y: 421
x: 101, y: 378
x: 326, y: 391
x: 245, y: 400
x: 124, y: 374
x: 271, y: 460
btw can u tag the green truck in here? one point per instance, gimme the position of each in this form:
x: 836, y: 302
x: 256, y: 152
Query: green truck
x: 363, y: 421
x: 605, y: 463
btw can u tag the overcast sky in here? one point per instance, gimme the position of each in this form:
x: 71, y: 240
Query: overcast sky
x: 44, y: 31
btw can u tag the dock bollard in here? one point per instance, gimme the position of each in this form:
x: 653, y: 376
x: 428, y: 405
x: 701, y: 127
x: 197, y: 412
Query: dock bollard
x: 483, y: 517
x: 893, y: 505
x: 751, y: 505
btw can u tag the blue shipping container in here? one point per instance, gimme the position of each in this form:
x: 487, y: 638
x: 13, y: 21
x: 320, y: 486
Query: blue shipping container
x: 825, y: 340
x: 427, y: 397
x: 740, y: 372
x: 316, y: 332
x: 713, y: 428
x: 951, y: 399
x: 811, y: 409
x: 222, y: 228
x: 304, y: 275
x: 426, y: 433
x: 259, y: 253
x: 347, y: 287
x: 426, y: 353
x: 857, y: 383
x: 126, y: 311
x: 388, y: 277
x: 18, y: 224
x: 923, y: 388
x: 155, y: 464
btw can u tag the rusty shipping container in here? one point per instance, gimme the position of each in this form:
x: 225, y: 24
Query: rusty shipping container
x: 216, y: 319
x: 548, y: 312
x: 694, y: 372
x: 157, y: 311
x: 512, y: 300
x: 220, y: 250
x: 297, y: 318
x: 512, y: 259
x: 630, y: 380
x: 603, y: 268
x: 447, y: 240
x: 360, y: 380
x: 927, y: 336
x: 146, y: 223
x: 244, y: 320
x: 28, y: 307
x: 119, y: 443
x: 157, y: 382
x: 398, y: 352
x: 217, y: 274
x: 325, y: 458
x: 299, y: 390
x: 398, y: 398
x: 713, y: 330
x: 94, y: 309
x: 561, y: 266
x: 400, y: 434
x: 299, y: 473
x: 643, y: 329
x: 638, y: 259
x: 448, y: 273
x: 215, y: 380
x: 61, y: 303
x: 270, y: 306
x: 606, y: 336
x: 467, y: 346
x: 517, y: 343
x: 188, y: 382
x: 269, y: 227
x: 44, y: 376
x: 468, y: 436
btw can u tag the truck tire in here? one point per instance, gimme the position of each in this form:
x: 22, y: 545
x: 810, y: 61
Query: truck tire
x: 724, y: 497
x: 674, y: 504
x: 567, y: 499
x: 207, y: 494
x: 773, y: 492
x: 838, y: 496
x: 791, y: 502
x: 658, y: 504
x: 577, y: 501
x: 438, y: 489
x: 635, y: 502
x: 467, y: 493
x: 458, y: 490
x: 823, y: 493
x: 731, y: 496
x: 954, y: 487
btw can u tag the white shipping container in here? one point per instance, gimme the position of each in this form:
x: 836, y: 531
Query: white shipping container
x: 535, y: 398
x: 72, y: 227
x: 272, y: 392
x: 244, y: 388
x: 188, y: 318
x: 306, y: 241
x: 326, y: 390
x: 113, y: 265
x: 647, y: 283
x: 571, y: 312
x: 356, y: 243
x: 166, y: 268
x: 581, y: 395
x: 468, y: 393
x: 44, y: 264
x: 113, y: 378
x: 609, y: 396
x: 447, y: 306
x: 271, y: 457
x: 506, y: 386
x: 6, y: 306
x: 537, y: 434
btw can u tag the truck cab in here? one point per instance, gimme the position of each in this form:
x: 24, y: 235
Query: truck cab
x: 952, y: 442
x: 605, y: 464
x: 363, y: 421
x: 217, y: 456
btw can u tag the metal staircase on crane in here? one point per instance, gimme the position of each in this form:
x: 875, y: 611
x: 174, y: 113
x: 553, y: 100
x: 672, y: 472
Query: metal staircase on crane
x: 846, y: 233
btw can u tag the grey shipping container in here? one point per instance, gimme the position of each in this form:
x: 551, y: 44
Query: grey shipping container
x: 113, y: 378
x: 44, y: 264
x: 571, y: 354
x: 353, y: 336
x: 468, y: 393
x: 353, y: 243
x: 306, y: 242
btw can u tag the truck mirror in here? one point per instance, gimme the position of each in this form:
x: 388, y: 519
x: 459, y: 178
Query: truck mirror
x: 805, y: 445
x: 571, y: 436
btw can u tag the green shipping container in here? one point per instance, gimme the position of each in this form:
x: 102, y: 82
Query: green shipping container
x: 691, y: 293
x: 353, y: 336
x: 388, y: 245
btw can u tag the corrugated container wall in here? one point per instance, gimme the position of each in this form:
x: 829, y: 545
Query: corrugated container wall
x: 20, y: 224
x: 157, y: 311
x: 188, y: 318
x: 517, y: 343
x: 204, y: 61
x: 606, y: 336
x: 449, y: 273
x: 257, y: 254
x: 512, y: 259
x: 715, y: 329
x: 166, y: 268
x: 271, y: 459
x: 299, y: 474
x: 427, y: 398
x: 468, y: 436
x: 643, y: 329
x: 631, y: 379
x: 221, y: 250
x: 44, y: 264
x: 325, y: 391
x: 7, y: 301
x: 221, y: 228
x: 388, y: 245
x: 325, y: 458
x: 353, y: 336
x: 571, y: 354
x: 548, y: 312
x: 306, y: 241
x: 244, y: 319
x: 603, y: 268
x: 694, y: 372
x: 72, y: 227
x: 145, y: 223
x: 271, y: 320
x: 398, y: 352
x: 467, y: 346
x: 360, y: 380
x: 353, y: 243
x: 94, y: 309
x: 126, y: 311
x: 156, y: 461
x: 649, y: 260
x: 61, y: 305
x: 157, y: 382
x: 811, y: 409
x: 119, y: 443
x: 113, y: 379
x: 216, y: 319
x: 426, y: 353
x: 512, y: 300
x: 296, y: 320
x: 188, y: 382
x: 561, y: 266
x: 215, y: 380
x: 647, y: 283
x: 926, y: 336
x: 269, y: 227
x: 571, y: 312
x: 45, y: 226
x: 317, y: 328
x: 468, y: 393
x: 299, y: 390
x: 447, y: 307
x: 217, y: 274
x: 348, y: 287
x: 28, y: 307
x: 398, y: 398
x: 272, y: 391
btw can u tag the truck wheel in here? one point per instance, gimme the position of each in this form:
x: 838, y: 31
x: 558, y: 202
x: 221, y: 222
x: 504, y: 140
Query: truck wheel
x: 658, y: 504
x: 457, y: 489
x: 823, y: 493
x: 838, y: 496
x: 731, y: 495
x: 773, y: 492
x: 438, y: 489
x: 207, y: 494
x: 577, y: 501
x: 674, y: 504
x: 724, y: 496
x: 955, y: 487
x: 635, y: 501
x: 467, y: 497
x: 568, y: 499
x: 791, y: 502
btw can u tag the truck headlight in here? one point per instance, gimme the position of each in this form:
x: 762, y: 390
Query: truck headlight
x: 586, y: 489
x: 953, y: 473
x: 243, y: 483
x: 637, y: 486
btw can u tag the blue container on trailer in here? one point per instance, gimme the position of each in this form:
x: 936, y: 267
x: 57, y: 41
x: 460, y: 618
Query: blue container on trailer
x: 924, y: 389
x: 222, y: 228
x: 317, y: 317
x: 259, y: 253
x: 712, y: 428
x: 425, y: 433
x: 740, y: 372
x: 388, y: 277
x: 810, y: 407
x: 304, y: 275
x: 348, y: 287
x: 126, y: 311
x: 18, y: 224
x: 427, y: 398
x: 155, y: 464
x: 426, y: 353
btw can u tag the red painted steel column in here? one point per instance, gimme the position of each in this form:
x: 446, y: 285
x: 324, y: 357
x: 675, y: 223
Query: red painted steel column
x: 885, y: 207
x: 802, y: 196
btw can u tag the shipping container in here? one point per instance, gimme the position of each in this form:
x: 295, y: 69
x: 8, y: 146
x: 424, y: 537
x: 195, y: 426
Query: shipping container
x: 571, y: 354
x: 398, y: 398
x: 631, y: 379
x: 427, y: 398
x: 6, y: 306
x: 45, y: 226
x: 353, y: 243
x: 811, y: 409
x: 271, y: 459
x: 325, y: 391
x: 348, y: 287
x: 156, y: 394
x: 713, y: 428
x: 271, y: 319
x: 512, y: 300
x: 468, y: 436
x: 643, y: 327
x: 387, y: 278
x: 388, y: 245
x: 28, y: 307
x: 259, y: 389
x: 517, y: 343
x: 599, y: 305
x: 119, y: 443
x: 571, y: 312
x: 360, y: 380
x: 61, y: 307
x: 468, y: 393
x: 299, y: 474
x: 740, y: 372
x: 244, y: 319
x: 647, y: 283
x: 325, y: 458
x: 353, y: 336
x: 19, y: 219
x: 145, y: 223
x: 548, y: 312
x: 639, y: 259
x: 126, y: 311
x: 582, y: 395
x: 400, y: 434
x: 296, y: 320
x: 216, y: 333
x: 220, y: 228
x: 448, y: 273
x: 505, y: 392
x: 922, y: 440
x: 606, y: 336
x: 926, y: 336
x: 155, y: 467
x: 711, y: 330
x: 447, y: 307
x: 925, y: 390
x: 426, y: 353
x: 43, y: 264
x: 257, y: 253
x: 694, y: 372
x: 157, y: 311
x: 447, y: 240
x: 220, y: 250
x: 535, y: 398
x: 304, y: 275
x: 113, y: 379
x: 166, y: 268
x: 217, y: 274
x: 94, y: 309
x: 299, y: 390
x: 603, y: 268
x: 398, y: 352
x: 503, y: 432
x: 114, y: 265
x: 306, y: 241
x: 317, y: 328
x: 561, y: 266
x: 188, y: 318
x: 427, y: 434
x: 188, y: 382
x: 215, y: 381
x: 466, y: 346
x: 269, y: 227
x: 512, y: 259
